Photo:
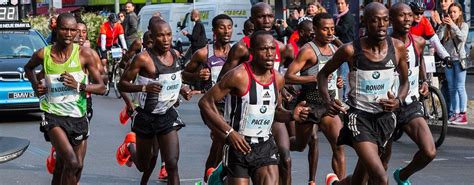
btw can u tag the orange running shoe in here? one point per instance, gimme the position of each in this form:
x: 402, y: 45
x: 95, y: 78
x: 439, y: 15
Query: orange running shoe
x: 122, y: 151
x: 311, y: 183
x: 163, y: 173
x: 51, y: 161
x: 331, y: 178
x: 209, y: 173
x: 124, y: 117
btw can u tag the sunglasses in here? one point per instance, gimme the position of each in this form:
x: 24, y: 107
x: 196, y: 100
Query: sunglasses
x: 418, y: 13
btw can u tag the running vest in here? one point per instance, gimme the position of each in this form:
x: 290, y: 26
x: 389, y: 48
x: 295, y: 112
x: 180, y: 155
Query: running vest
x: 252, y: 113
x: 311, y: 90
x: 413, y: 72
x: 214, y: 63
x: 170, y: 79
x: 370, y: 81
x: 62, y: 100
x: 276, y: 65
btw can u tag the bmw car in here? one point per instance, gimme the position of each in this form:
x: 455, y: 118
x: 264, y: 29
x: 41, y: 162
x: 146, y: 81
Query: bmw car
x: 16, y: 48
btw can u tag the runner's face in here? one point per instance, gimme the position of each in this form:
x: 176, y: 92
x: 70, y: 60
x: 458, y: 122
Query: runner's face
x: 445, y: 4
x: 264, y: 19
x: 161, y: 36
x: 307, y: 33
x: 377, y: 24
x: 402, y: 20
x: 82, y: 34
x: 325, y: 32
x: 66, y: 31
x: 454, y: 13
x: 248, y: 29
x: 148, y: 42
x: 223, y: 31
x: 341, y: 6
x: 264, y: 52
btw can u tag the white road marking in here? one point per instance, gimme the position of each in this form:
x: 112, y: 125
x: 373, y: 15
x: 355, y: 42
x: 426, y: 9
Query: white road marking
x: 468, y: 157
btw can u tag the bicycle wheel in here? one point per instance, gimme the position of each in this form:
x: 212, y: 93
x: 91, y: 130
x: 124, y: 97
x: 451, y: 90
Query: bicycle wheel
x: 436, y: 115
x: 117, y: 73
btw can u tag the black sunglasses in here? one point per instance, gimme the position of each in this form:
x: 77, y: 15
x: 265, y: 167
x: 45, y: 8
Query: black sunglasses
x: 418, y: 13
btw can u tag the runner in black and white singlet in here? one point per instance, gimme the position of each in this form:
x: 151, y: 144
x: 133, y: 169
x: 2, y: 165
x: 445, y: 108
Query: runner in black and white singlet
x: 312, y: 58
x: 251, y: 150
x: 204, y: 67
x: 158, y: 84
x: 410, y: 115
x: 62, y: 95
x: 373, y: 61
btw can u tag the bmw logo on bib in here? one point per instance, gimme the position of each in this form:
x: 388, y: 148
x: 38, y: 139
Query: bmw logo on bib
x: 409, y: 72
x: 263, y: 109
x: 376, y: 75
x: 173, y: 77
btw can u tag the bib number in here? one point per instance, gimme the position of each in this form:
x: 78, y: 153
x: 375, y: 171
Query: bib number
x: 58, y: 92
x: 258, y: 121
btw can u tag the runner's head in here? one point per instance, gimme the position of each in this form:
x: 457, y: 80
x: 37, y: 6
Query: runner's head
x: 262, y: 48
x: 323, y: 26
x: 66, y: 29
x: 401, y: 18
x: 147, y: 40
x: 262, y: 16
x: 418, y: 8
x: 153, y: 19
x: 161, y: 35
x: 306, y: 31
x: 81, y: 33
x: 376, y: 19
x: 222, y: 27
x: 248, y: 27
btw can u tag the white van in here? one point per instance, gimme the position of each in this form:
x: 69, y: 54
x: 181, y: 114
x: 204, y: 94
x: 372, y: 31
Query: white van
x: 178, y: 15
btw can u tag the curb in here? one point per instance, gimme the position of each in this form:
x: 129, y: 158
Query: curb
x: 458, y: 131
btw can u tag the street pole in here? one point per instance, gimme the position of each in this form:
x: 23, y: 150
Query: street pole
x: 117, y: 6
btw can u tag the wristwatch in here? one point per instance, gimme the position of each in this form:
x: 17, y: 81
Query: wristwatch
x: 227, y: 133
x: 82, y: 87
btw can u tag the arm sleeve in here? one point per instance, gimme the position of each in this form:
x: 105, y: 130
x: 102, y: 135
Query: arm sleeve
x: 436, y: 43
x: 122, y: 41
x: 102, y: 41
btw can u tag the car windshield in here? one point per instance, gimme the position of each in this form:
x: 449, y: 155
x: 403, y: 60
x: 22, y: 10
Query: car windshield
x: 19, y: 44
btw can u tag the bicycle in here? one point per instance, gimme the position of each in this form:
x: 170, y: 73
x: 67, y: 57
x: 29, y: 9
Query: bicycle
x: 435, y: 112
x: 114, y: 71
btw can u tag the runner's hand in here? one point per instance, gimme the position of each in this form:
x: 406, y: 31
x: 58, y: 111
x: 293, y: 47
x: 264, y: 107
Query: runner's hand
x: 153, y: 87
x: 287, y: 97
x: 301, y: 111
x: 239, y: 143
x: 186, y: 93
x: 68, y: 80
x: 390, y: 104
x: 204, y: 74
x: 424, y: 89
x: 340, y: 82
x: 130, y: 109
x: 334, y: 108
x: 40, y: 89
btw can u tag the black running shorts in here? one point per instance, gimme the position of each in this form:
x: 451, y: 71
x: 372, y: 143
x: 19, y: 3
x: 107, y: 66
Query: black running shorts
x: 409, y: 112
x: 362, y: 126
x: 238, y: 165
x: 77, y: 129
x: 147, y: 125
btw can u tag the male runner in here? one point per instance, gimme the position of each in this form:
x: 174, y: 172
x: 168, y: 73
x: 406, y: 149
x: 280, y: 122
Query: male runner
x: 205, y: 66
x: 262, y: 17
x: 308, y: 62
x: 251, y: 150
x: 63, y: 97
x: 373, y: 61
x: 410, y: 115
x: 248, y: 27
x: 156, y: 120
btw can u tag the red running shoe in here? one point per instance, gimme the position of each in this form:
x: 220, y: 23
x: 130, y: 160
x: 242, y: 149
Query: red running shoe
x: 163, y: 175
x: 122, y: 151
x: 51, y: 161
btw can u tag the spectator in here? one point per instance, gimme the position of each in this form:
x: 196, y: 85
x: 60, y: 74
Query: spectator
x: 437, y: 18
x: 198, y: 37
x: 345, y: 31
x: 52, y: 25
x: 311, y: 10
x: 130, y: 24
x: 453, y: 33
x: 314, y: 8
x: 121, y: 16
x: 109, y: 35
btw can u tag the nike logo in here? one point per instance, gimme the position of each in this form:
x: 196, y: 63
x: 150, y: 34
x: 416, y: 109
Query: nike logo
x: 215, y: 62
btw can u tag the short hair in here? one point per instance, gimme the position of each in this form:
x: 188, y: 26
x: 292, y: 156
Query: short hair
x: 347, y: 1
x: 153, y: 24
x: 247, y: 22
x: 317, y: 18
x: 146, y: 35
x: 152, y: 20
x: 305, y: 24
x: 130, y: 3
x: 256, y: 34
x: 220, y: 17
x: 64, y: 16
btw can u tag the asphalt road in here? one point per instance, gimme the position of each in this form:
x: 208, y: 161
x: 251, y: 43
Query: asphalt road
x: 454, y: 163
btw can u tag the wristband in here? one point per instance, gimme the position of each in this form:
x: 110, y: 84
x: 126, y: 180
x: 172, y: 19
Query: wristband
x: 227, y: 133
x: 78, y: 87
x: 82, y: 87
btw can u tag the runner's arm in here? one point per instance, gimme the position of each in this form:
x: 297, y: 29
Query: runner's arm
x: 90, y: 59
x: 238, y: 54
x: 35, y: 61
x: 136, y: 45
x: 130, y: 74
x: 191, y: 71
x: 300, y: 113
x: 291, y: 77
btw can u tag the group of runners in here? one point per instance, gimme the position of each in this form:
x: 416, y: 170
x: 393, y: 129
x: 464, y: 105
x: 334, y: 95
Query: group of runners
x: 262, y: 98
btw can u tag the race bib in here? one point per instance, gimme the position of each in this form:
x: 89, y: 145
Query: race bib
x: 215, y: 70
x: 58, y: 92
x: 374, y: 85
x: 414, y: 86
x: 171, y: 84
x: 257, y: 121
x: 332, y: 83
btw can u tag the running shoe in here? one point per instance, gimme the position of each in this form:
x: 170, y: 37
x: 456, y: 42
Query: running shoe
x: 452, y: 118
x: 311, y: 183
x: 460, y: 120
x: 51, y: 161
x: 163, y: 175
x: 216, y: 177
x: 122, y: 151
x: 396, y: 176
x: 124, y: 117
x: 208, y: 173
x: 331, y: 178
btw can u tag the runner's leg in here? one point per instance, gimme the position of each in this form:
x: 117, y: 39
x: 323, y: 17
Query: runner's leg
x: 369, y: 156
x: 141, y: 153
x: 418, y: 131
x: 266, y: 175
x: 64, y: 149
x: 331, y: 127
x: 147, y: 173
x: 282, y: 140
x: 80, y: 151
x: 313, y: 155
x: 169, y: 144
x: 303, y: 134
